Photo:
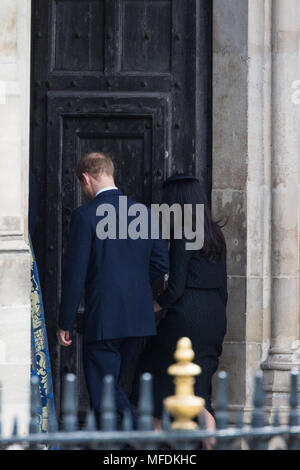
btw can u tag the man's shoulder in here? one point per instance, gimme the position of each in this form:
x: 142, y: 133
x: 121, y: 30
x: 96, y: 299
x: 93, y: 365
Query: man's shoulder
x: 89, y: 209
x: 131, y: 201
x: 84, y: 211
x: 141, y: 208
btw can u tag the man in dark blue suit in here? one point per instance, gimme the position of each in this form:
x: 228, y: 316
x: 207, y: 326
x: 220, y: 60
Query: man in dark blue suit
x: 116, y: 272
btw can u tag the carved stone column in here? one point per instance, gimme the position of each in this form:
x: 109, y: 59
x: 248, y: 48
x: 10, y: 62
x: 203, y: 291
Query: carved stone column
x: 256, y: 184
x: 284, y: 351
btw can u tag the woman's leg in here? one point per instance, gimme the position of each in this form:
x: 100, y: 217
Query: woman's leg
x: 157, y: 424
x: 210, y: 425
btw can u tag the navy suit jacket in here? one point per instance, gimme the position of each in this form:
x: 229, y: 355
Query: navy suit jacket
x: 115, y: 274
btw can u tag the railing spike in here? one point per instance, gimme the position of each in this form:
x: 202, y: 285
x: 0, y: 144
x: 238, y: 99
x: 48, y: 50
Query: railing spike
x: 293, y: 399
x: 258, y: 417
x: 90, y: 421
x: 15, y: 429
x: 127, y: 424
x: 240, y: 419
x: 276, y: 418
x: 221, y: 414
x: 221, y: 401
x: 52, y: 424
x: 108, y: 405
x: 90, y: 425
x: 258, y: 414
x: 35, y: 405
x: 52, y: 428
x: 69, y: 403
x: 165, y: 420
x: 145, y: 406
x: 293, y: 440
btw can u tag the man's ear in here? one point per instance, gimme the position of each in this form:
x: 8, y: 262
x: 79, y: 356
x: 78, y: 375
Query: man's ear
x: 85, y: 178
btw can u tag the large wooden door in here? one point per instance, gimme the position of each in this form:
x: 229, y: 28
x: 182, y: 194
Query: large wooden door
x: 127, y: 77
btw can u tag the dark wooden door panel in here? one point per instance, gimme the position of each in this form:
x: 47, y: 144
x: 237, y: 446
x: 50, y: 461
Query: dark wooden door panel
x: 78, y: 30
x: 149, y: 36
x: 127, y: 77
x: 132, y: 130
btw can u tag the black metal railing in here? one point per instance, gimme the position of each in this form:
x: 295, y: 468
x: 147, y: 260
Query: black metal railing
x: 254, y: 436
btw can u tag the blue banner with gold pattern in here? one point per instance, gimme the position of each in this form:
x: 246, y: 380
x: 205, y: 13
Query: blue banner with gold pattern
x: 40, y: 360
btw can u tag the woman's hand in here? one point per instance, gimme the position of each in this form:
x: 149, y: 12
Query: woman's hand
x: 156, y: 306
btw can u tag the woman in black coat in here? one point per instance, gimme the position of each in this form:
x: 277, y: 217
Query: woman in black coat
x: 195, y: 300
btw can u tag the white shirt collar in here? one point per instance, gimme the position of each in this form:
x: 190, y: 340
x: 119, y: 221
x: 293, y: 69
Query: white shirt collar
x: 106, y: 189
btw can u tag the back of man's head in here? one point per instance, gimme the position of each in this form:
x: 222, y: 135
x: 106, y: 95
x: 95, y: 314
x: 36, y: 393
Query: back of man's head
x: 95, y: 164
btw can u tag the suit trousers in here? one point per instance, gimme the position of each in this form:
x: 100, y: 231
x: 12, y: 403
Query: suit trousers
x: 109, y: 357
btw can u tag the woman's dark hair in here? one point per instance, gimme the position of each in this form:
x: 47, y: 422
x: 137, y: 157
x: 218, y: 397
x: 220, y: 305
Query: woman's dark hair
x: 190, y: 191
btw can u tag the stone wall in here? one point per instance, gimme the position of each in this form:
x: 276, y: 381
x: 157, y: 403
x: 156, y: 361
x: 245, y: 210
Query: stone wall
x: 14, y: 255
x: 256, y: 183
x: 230, y: 127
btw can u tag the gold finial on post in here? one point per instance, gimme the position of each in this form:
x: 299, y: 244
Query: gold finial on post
x: 184, y: 405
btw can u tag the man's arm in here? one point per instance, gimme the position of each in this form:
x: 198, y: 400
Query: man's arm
x: 179, y: 260
x: 75, y: 270
x: 223, y: 288
x: 159, y: 261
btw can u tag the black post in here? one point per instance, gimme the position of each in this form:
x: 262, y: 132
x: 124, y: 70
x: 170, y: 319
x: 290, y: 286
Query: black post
x: 108, y: 407
x: 90, y: 425
x: 258, y: 416
x: 221, y: 408
x: 293, y: 441
x: 145, y: 405
x: 127, y: 424
x: 69, y: 405
x: 35, y: 407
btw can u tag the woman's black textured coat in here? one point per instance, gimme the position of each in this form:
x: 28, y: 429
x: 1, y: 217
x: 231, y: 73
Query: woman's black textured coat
x: 195, y: 300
